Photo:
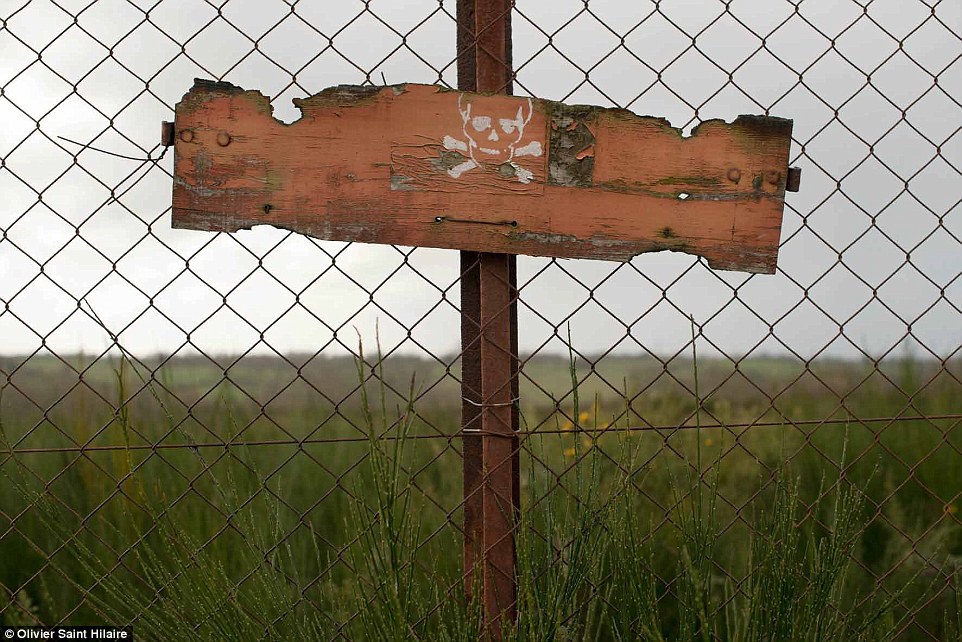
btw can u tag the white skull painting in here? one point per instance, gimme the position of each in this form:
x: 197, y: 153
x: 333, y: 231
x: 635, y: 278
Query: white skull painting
x: 493, y: 138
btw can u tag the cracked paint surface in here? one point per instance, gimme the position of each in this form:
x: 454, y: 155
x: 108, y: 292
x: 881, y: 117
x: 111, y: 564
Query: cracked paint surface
x: 421, y: 165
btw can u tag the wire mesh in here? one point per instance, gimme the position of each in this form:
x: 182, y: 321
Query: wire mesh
x: 155, y: 377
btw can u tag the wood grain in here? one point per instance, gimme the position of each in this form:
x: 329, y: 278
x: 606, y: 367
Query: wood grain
x: 418, y: 165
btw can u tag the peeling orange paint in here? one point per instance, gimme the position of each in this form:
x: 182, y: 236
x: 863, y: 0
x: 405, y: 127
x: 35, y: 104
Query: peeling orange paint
x: 420, y: 165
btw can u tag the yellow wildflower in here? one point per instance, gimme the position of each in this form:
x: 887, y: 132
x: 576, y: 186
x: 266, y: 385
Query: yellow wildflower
x: 569, y: 452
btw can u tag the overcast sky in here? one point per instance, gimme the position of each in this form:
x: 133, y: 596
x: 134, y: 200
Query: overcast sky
x: 881, y: 176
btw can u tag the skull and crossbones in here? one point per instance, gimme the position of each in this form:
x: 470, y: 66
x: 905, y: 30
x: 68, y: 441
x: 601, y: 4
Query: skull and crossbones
x: 493, y: 138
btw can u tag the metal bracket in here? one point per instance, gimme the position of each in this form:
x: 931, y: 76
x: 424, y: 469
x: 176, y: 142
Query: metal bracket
x: 167, y: 133
x: 794, y: 179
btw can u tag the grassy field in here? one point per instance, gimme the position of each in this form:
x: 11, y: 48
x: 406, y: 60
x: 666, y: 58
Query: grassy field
x: 306, y: 526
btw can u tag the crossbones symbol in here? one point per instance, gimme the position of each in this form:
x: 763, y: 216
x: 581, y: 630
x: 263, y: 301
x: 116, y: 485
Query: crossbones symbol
x: 492, y: 139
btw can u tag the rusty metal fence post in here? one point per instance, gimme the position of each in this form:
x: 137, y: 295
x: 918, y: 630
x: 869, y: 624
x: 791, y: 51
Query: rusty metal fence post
x: 489, y: 336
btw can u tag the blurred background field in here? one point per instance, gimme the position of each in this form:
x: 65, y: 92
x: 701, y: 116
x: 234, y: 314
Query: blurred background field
x: 280, y: 456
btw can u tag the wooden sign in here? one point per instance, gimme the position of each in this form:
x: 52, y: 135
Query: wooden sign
x: 420, y: 165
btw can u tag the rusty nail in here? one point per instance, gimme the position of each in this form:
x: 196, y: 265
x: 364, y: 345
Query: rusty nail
x: 167, y: 133
x: 734, y: 175
x: 773, y: 177
x: 223, y: 139
x: 187, y: 135
x: 794, y: 179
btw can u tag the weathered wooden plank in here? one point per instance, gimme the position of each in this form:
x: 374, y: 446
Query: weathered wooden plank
x: 420, y: 165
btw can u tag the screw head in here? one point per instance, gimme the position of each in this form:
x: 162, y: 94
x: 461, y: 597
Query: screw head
x: 187, y: 135
x: 734, y: 175
x: 223, y: 139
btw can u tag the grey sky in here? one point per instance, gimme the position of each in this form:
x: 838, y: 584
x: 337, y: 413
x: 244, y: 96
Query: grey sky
x: 127, y: 255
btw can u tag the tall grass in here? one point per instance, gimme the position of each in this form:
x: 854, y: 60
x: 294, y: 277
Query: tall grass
x: 315, y: 541
x: 562, y: 543
x: 394, y: 599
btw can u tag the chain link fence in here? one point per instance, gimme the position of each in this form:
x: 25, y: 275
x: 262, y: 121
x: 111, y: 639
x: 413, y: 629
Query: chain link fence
x: 200, y: 394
